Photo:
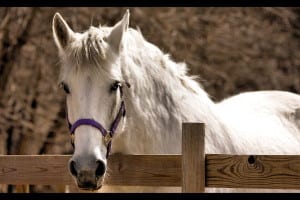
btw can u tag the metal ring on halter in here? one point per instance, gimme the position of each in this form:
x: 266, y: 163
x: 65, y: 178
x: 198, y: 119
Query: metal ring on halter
x: 107, y: 138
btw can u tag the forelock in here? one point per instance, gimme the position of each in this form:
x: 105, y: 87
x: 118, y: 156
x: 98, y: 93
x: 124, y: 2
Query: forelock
x: 89, y: 47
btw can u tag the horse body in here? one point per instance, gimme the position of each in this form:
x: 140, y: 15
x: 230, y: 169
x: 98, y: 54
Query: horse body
x: 263, y: 122
x: 162, y: 96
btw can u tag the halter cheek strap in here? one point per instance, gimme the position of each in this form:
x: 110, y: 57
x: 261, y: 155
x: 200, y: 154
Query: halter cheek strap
x: 91, y: 122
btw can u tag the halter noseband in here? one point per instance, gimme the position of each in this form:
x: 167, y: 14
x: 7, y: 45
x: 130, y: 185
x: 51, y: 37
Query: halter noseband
x: 91, y: 122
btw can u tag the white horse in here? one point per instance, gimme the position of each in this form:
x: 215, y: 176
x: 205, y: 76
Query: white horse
x: 107, y: 69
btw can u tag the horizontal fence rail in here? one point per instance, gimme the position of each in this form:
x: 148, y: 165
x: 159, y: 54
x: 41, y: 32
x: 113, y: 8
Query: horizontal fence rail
x: 226, y: 171
x: 143, y: 170
x: 193, y: 170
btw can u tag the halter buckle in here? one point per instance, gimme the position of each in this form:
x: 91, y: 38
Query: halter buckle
x: 107, y: 137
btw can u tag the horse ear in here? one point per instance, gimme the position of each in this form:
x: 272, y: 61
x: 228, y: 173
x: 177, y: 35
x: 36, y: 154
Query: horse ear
x: 116, y: 35
x: 62, y: 33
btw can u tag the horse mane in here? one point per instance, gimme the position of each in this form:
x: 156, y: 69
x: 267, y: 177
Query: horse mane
x: 138, y: 46
x: 176, y: 97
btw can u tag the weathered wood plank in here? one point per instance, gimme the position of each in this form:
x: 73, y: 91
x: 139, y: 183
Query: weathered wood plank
x: 34, y: 169
x: 143, y: 170
x: 262, y: 171
x: 193, y: 158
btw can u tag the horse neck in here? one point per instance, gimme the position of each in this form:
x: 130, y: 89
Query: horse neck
x: 160, y: 99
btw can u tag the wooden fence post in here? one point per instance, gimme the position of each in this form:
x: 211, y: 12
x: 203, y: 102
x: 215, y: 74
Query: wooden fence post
x: 193, y: 157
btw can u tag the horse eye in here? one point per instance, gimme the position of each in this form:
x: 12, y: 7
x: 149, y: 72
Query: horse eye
x: 115, y: 86
x: 65, y: 87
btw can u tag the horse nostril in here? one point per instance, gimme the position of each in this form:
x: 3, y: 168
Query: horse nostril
x: 100, y: 168
x: 73, y: 168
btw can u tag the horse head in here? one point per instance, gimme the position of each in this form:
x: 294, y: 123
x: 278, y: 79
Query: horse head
x: 92, y: 80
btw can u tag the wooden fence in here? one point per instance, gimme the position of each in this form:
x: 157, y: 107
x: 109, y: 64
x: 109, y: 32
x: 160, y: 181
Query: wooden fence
x: 193, y: 170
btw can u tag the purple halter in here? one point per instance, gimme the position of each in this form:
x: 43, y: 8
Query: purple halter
x: 91, y: 122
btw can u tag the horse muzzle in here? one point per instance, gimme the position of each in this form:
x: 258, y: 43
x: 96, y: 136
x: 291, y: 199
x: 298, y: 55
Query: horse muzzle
x: 87, y: 181
x: 89, y: 177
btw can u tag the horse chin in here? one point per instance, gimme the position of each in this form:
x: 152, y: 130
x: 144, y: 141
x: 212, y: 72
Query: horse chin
x: 98, y: 187
x: 90, y: 187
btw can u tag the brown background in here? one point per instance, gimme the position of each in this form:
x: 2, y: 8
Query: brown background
x: 232, y: 49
